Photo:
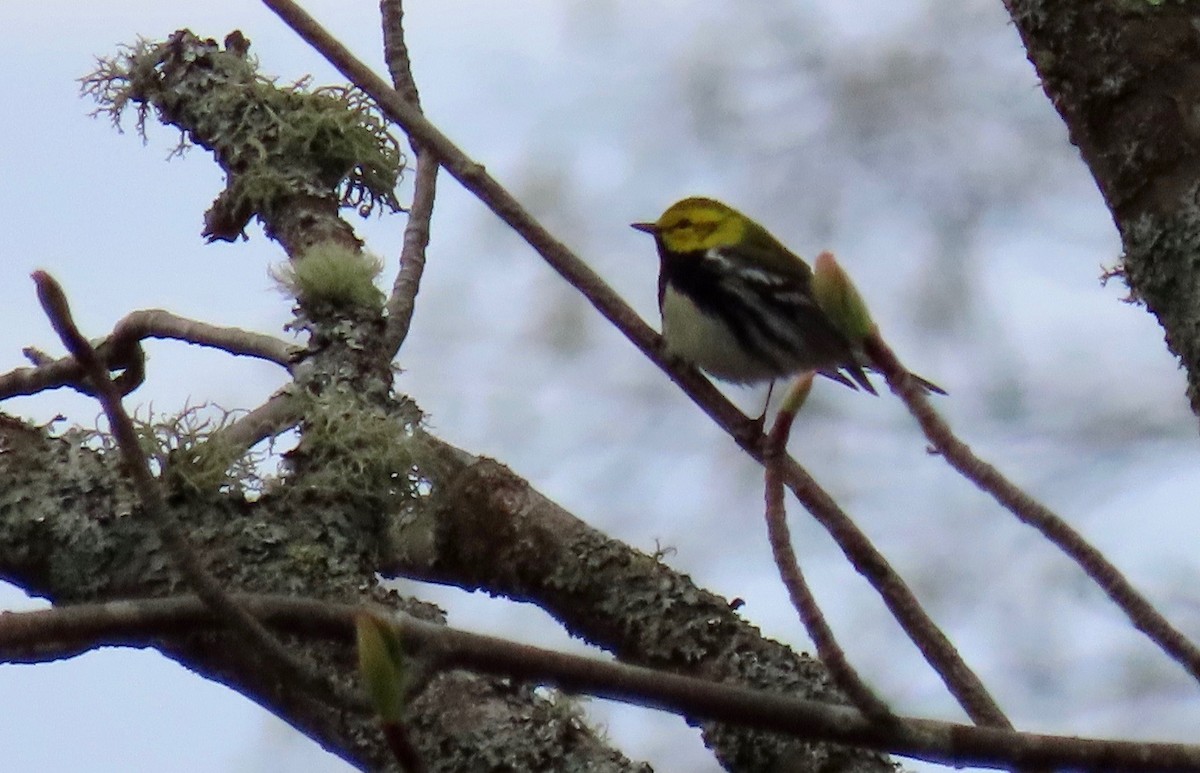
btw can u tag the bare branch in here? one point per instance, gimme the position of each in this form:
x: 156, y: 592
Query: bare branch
x: 402, y: 302
x: 276, y: 415
x: 121, y: 351
x: 395, y: 51
x: 1029, y: 511
x: 138, y: 623
x: 158, y: 323
x: 830, y: 652
x: 966, y: 687
x: 963, y: 683
x: 271, y: 651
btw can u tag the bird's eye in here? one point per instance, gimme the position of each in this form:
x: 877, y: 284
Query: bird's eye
x: 685, y: 223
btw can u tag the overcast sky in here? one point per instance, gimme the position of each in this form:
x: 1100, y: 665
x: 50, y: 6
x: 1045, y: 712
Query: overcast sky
x: 915, y: 143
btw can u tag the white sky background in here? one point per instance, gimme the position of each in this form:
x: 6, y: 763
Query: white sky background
x: 595, y: 115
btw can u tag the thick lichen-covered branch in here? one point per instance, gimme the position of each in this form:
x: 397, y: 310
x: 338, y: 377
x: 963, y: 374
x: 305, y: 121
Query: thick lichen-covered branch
x: 1123, y: 77
x: 292, y: 158
x: 278, y: 145
x: 70, y: 531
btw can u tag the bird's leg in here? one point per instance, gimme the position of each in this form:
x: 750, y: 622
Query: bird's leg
x: 761, y: 422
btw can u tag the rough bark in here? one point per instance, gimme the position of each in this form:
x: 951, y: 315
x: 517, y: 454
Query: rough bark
x: 70, y: 529
x: 1125, y: 77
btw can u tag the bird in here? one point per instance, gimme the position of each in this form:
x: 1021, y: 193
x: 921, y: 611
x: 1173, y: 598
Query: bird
x: 736, y: 303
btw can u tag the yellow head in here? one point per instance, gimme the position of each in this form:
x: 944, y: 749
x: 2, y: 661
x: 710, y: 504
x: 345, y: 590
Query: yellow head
x: 697, y: 224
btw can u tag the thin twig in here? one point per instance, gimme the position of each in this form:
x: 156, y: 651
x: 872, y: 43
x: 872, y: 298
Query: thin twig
x: 140, y: 623
x: 966, y: 687
x: 402, y: 303
x: 1029, y: 511
x: 270, y: 650
x: 120, y: 350
x: 400, y: 743
x: 395, y: 51
x: 963, y: 683
x: 158, y: 323
x: 805, y: 603
x: 276, y: 415
x: 473, y: 177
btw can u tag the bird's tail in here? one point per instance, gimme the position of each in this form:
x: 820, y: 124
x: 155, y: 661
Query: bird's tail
x: 927, y: 385
x: 855, y: 377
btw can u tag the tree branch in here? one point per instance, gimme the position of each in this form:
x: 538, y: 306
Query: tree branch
x: 64, y: 512
x: 966, y: 687
x: 270, y: 652
x: 402, y: 302
x: 485, y: 527
x: 1029, y: 511
x: 137, y: 623
x: 1116, y: 75
x: 803, y: 600
x: 121, y: 350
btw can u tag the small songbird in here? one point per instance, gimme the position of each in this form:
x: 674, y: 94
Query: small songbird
x: 738, y: 304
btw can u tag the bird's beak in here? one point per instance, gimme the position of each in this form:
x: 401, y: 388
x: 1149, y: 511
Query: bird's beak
x: 650, y: 228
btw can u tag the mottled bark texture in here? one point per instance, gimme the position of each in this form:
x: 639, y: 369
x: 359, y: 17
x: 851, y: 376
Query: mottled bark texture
x: 1125, y: 76
x: 366, y: 485
x: 489, y: 529
x: 71, y: 530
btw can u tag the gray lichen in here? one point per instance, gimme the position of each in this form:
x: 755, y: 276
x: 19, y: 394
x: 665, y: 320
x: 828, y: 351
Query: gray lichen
x: 275, y: 143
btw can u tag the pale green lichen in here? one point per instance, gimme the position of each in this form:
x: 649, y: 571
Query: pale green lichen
x: 352, y: 448
x: 334, y: 276
x: 274, y: 142
x: 190, y: 452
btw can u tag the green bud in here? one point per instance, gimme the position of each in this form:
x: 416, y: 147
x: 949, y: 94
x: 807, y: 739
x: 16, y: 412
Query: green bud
x: 381, y: 665
x: 839, y: 299
x: 793, y: 401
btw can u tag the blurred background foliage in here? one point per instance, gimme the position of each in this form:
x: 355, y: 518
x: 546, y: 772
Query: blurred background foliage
x: 910, y: 138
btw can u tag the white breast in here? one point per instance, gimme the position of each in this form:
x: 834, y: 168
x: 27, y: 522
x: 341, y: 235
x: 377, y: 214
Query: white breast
x: 704, y: 341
